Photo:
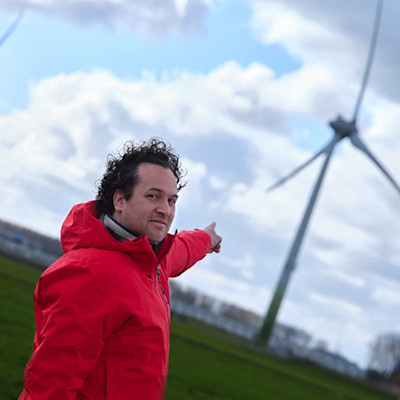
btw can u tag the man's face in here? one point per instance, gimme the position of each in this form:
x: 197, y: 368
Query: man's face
x: 151, y: 208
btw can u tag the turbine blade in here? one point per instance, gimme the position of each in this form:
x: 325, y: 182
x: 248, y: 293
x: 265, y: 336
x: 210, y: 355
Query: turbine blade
x: 297, y: 170
x: 372, y: 47
x: 357, y: 142
x: 13, y: 25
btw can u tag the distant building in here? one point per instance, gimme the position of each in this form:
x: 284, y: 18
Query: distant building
x: 28, y: 246
x: 335, y: 362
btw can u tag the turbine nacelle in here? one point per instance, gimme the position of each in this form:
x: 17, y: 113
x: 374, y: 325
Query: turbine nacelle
x: 342, y: 127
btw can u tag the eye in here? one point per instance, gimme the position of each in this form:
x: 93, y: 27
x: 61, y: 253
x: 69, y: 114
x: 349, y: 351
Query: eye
x: 172, y: 200
x: 152, y: 196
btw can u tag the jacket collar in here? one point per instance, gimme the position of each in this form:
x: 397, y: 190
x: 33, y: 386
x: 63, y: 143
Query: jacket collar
x: 117, y: 230
x: 121, y: 233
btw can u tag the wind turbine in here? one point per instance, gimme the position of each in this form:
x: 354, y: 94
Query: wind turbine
x: 10, y: 30
x: 342, y: 129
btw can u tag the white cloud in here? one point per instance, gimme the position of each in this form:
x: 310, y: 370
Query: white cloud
x: 356, y: 281
x: 336, y: 33
x: 277, y: 22
x: 225, y: 288
x: 74, y: 121
x: 154, y: 18
x: 386, y: 292
x: 340, y: 306
x: 217, y: 183
x: 244, y: 265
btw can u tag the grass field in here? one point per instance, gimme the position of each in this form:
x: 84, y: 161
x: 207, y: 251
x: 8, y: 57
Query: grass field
x: 205, y: 363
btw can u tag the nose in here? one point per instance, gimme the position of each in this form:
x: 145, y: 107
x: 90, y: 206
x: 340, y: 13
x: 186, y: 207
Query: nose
x: 164, y: 208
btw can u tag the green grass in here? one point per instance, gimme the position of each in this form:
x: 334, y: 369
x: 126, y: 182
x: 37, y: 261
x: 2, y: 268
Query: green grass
x: 17, y: 283
x: 212, y: 365
x: 205, y: 363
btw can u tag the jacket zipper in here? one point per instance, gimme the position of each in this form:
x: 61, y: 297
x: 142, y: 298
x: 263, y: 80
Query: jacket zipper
x: 105, y: 382
x: 158, y: 283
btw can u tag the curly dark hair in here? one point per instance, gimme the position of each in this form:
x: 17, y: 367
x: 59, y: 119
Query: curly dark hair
x: 122, y: 170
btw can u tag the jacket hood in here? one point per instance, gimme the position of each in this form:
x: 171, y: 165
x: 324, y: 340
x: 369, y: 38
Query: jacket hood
x: 82, y: 228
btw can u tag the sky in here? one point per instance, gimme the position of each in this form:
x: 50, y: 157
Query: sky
x: 244, y: 91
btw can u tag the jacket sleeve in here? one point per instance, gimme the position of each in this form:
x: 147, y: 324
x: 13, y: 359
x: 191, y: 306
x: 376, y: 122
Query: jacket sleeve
x: 71, y: 308
x: 188, y: 248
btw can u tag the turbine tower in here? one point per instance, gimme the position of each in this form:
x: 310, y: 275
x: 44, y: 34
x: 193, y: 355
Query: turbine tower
x: 342, y: 129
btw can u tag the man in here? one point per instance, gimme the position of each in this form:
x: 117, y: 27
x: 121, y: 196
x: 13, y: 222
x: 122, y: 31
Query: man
x: 102, y: 310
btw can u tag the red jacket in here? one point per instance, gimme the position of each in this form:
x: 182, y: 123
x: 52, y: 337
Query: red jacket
x: 102, y: 313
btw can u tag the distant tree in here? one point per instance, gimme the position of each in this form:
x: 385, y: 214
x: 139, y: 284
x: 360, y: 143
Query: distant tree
x: 240, y: 314
x: 395, y: 376
x: 206, y: 303
x: 373, y: 375
x: 290, y: 340
x: 186, y: 295
x: 385, y: 353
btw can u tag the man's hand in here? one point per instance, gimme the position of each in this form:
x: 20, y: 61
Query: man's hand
x: 216, y: 240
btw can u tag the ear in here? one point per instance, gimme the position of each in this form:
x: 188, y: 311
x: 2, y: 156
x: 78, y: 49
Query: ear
x: 118, y: 200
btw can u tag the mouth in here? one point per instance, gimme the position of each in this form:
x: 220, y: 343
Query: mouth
x: 159, y: 222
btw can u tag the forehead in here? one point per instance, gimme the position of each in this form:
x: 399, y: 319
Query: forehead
x: 158, y: 177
